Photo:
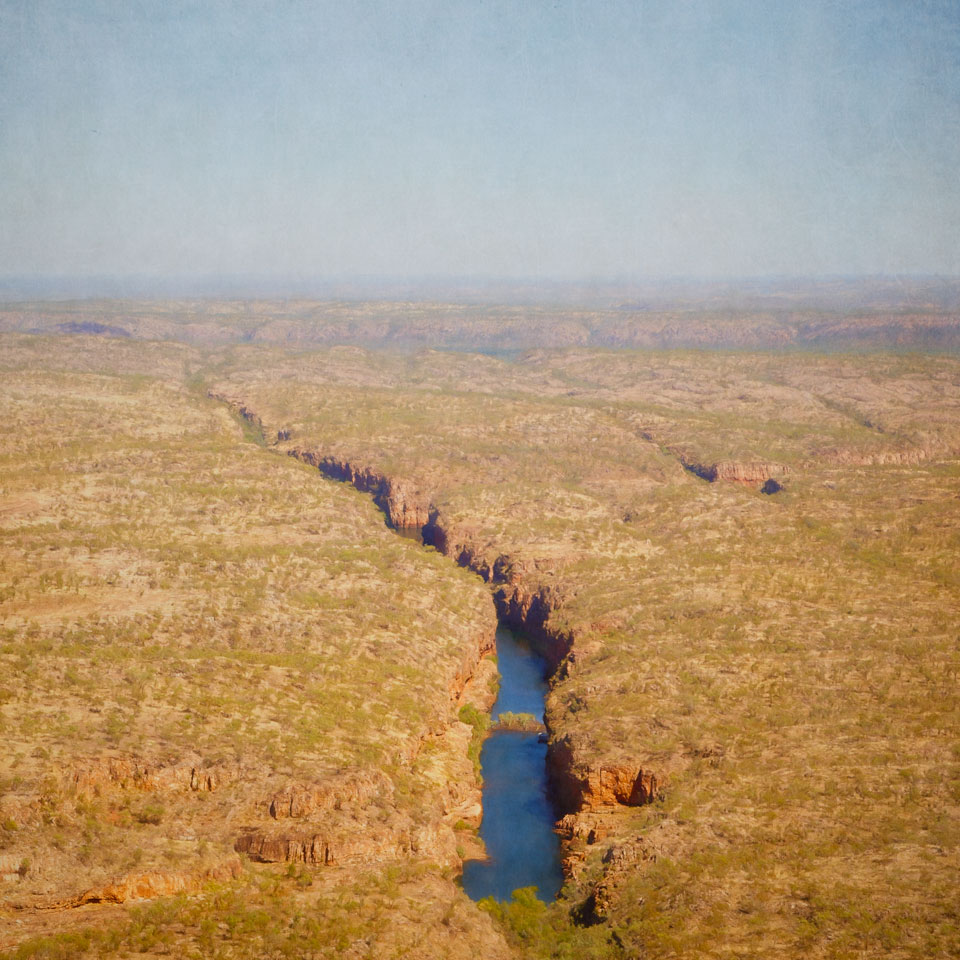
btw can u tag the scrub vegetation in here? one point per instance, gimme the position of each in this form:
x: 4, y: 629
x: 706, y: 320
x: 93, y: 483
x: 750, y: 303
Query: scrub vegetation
x: 785, y: 665
x: 191, y: 626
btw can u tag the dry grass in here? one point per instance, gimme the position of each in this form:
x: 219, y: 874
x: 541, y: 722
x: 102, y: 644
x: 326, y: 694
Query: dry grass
x: 790, y: 662
x: 171, y: 594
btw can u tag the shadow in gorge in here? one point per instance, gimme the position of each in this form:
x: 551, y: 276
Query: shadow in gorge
x: 408, y: 533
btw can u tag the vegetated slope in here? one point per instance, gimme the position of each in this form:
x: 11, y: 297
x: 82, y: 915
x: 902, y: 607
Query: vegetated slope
x: 755, y: 717
x: 218, y: 668
x: 871, y: 318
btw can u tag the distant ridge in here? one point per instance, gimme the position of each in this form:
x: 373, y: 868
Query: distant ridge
x: 881, y: 322
x: 912, y: 292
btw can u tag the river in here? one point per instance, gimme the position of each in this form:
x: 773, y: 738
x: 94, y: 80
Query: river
x: 518, y: 817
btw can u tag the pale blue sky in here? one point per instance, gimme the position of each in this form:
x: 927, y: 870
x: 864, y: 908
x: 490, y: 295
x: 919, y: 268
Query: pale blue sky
x: 512, y: 139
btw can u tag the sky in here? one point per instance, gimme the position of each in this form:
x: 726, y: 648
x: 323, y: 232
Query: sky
x: 528, y: 139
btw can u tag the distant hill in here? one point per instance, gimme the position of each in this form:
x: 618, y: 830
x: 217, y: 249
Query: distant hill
x: 840, y: 314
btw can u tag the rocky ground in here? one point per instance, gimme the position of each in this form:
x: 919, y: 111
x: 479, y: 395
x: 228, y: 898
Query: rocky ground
x: 753, y: 712
x: 743, y: 568
x: 216, y: 668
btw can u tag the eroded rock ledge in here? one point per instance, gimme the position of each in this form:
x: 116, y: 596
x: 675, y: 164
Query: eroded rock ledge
x: 89, y: 777
x: 148, y: 886
x: 405, y: 507
x: 366, y: 844
x: 584, y: 787
x: 736, y: 471
x: 301, y: 800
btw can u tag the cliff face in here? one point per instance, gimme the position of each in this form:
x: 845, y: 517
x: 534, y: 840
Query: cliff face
x: 462, y: 679
x: 519, y: 604
x: 366, y: 845
x: 735, y: 471
x: 91, y: 776
x: 239, y: 408
x: 404, y: 507
x: 583, y: 787
x: 896, y: 457
x: 356, y: 789
x: 147, y: 886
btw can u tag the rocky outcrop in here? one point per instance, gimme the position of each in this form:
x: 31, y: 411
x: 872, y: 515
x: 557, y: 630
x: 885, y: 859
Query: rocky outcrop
x: 618, y: 860
x: 736, y: 471
x: 580, y: 787
x: 148, y: 886
x: 611, y: 785
x: 902, y: 457
x: 355, y: 789
x: 579, y: 831
x: 96, y: 774
x: 486, y: 644
x: 576, y: 826
x: 23, y: 807
x: 364, y: 845
x: 250, y: 416
x: 405, y: 507
x: 11, y: 867
x: 239, y: 408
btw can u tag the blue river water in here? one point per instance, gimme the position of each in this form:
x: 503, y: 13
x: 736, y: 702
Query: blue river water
x: 517, y: 827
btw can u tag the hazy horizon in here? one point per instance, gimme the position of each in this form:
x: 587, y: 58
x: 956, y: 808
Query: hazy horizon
x: 898, y: 292
x: 528, y: 143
